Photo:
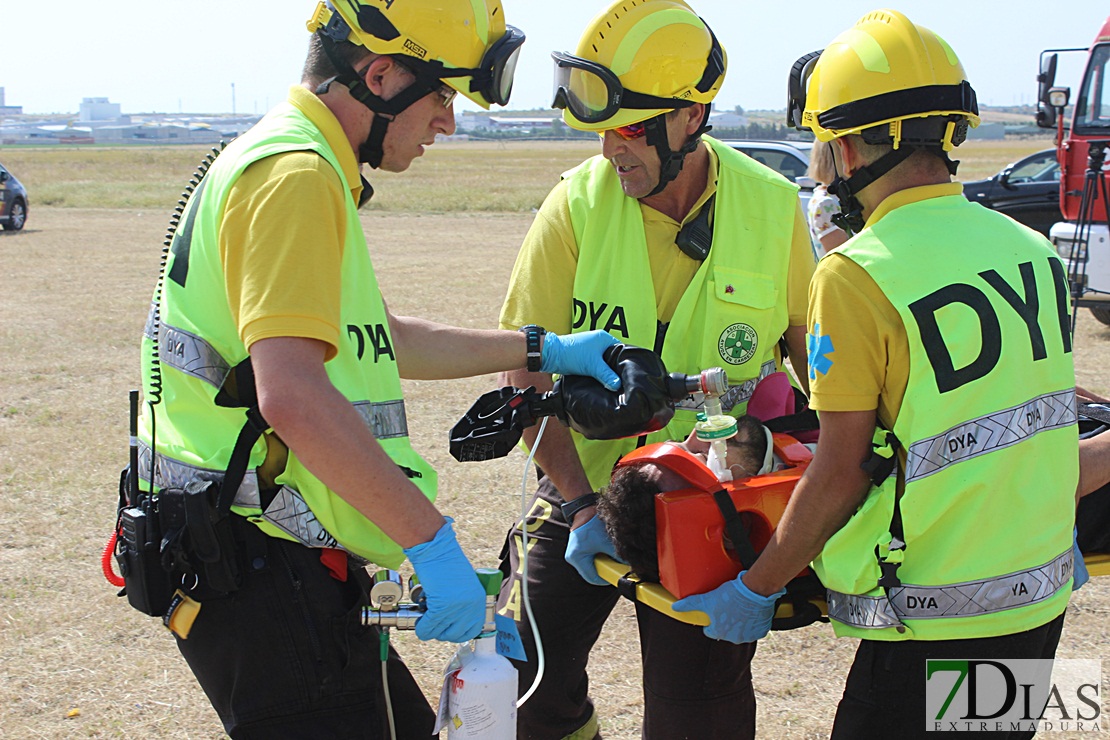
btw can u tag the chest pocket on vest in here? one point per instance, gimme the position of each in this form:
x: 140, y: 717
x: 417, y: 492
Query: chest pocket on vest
x: 741, y: 287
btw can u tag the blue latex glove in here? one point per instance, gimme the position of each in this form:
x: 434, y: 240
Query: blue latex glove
x: 456, y: 600
x: 736, y: 613
x: 1079, y: 574
x: 588, y: 540
x: 579, y: 354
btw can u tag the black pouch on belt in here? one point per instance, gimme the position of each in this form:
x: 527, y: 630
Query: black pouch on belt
x: 197, y: 546
x: 211, y: 543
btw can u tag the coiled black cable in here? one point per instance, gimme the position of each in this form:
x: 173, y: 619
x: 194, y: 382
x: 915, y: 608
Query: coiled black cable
x: 155, y: 392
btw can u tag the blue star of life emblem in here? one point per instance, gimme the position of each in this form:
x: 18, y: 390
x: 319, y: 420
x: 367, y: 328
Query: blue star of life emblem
x: 819, y: 347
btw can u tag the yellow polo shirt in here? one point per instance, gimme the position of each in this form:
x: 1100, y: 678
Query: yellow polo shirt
x: 282, y: 235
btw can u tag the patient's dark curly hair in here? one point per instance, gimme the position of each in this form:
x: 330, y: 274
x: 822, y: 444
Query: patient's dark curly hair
x: 627, y: 505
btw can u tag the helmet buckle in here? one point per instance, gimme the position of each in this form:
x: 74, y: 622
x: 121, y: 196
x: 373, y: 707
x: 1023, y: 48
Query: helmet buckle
x: 319, y: 18
x: 336, y: 28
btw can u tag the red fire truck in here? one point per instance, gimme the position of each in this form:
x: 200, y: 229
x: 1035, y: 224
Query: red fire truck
x: 1082, y: 239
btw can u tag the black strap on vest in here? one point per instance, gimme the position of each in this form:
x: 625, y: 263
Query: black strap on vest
x: 238, y: 391
x: 734, y: 527
x: 878, y: 469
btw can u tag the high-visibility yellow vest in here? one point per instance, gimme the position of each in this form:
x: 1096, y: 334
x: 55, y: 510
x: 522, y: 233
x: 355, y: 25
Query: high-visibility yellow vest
x: 199, y: 344
x: 731, y: 315
x: 988, y: 425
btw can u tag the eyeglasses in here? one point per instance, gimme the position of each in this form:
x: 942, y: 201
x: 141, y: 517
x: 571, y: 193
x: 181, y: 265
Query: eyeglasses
x: 447, y: 93
x: 632, y: 131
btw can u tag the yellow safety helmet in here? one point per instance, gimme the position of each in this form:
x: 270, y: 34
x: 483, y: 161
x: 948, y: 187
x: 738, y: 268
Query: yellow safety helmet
x: 884, y: 71
x: 636, y: 60
x: 466, y: 43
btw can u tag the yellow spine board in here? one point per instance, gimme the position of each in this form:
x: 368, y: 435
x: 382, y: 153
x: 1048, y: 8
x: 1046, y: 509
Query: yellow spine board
x: 649, y: 594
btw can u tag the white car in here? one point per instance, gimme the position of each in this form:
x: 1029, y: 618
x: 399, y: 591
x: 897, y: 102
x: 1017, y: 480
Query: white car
x: 789, y: 158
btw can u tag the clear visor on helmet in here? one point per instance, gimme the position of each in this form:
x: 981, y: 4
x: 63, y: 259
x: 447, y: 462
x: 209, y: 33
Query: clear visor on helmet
x: 592, y: 93
x: 588, y: 90
x: 501, y: 60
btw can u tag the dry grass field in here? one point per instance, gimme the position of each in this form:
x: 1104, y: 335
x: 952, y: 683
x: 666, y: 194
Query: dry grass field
x: 76, y: 661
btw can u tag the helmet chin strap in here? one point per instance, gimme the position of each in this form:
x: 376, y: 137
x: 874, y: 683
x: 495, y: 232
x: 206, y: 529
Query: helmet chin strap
x: 850, y: 218
x: 670, y: 161
x: 371, y: 150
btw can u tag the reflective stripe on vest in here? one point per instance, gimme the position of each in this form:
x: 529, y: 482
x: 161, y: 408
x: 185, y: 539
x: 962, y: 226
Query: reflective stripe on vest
x: 386, y: 419
x: 989, y: 433
x: 171, y: 473
x: 193, y: 355
x: 288, y: 511
x: 958, y: 600
x: 187, y: 352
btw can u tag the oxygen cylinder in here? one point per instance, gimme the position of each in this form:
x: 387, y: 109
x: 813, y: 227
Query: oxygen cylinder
x: 481, y: 701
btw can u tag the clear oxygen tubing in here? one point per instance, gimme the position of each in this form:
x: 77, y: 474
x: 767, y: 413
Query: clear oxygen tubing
x: 385, y: 687
x: 523, y: 524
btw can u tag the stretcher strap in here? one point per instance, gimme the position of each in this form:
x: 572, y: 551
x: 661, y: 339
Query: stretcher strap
x: 734, y: 527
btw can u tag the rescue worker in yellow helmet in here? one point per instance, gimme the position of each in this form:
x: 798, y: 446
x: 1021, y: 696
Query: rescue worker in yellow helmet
x: 669, y: 240
x: 269, y: 301
x: 946, y: 534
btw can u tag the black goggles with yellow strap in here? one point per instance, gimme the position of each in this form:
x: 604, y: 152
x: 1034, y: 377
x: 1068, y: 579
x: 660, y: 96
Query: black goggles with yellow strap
x: 796, y: 89
x: 592, y: 93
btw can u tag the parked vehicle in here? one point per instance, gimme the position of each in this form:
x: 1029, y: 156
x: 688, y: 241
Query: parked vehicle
x: 13, y: 202
x: 1027, y: 191
x: 1082, y: 239
x: 789, y: 158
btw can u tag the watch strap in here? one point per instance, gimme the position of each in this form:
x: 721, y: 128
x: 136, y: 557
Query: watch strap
x: 533, y: 339
x: 572, y: 507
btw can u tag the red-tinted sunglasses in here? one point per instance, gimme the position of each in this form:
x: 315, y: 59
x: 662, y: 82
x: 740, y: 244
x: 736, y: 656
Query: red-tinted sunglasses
x: 630, y: 132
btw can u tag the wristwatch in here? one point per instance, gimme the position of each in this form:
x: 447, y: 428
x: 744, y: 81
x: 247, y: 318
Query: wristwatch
x: 533, y: 339
x: 572, y: 507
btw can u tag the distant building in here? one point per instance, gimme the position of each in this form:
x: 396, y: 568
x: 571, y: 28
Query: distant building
x: 99, y: 110
x: 525, y: 125
x: 9, y: 110
x: 987, y: 132
x: 728, y: 119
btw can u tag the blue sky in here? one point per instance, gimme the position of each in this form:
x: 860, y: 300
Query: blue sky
x: 166, y: 56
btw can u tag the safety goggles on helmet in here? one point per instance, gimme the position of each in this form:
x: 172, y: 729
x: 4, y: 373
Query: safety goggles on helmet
x: 493, y: 78
x: 592, y: 93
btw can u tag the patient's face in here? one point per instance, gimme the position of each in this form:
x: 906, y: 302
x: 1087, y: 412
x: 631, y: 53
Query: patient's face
x: 742, y: 459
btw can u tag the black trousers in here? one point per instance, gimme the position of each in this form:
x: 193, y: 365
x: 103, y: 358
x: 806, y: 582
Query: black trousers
x: 286, y: 657
x: 694, y: 687
x: 884, y: 695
